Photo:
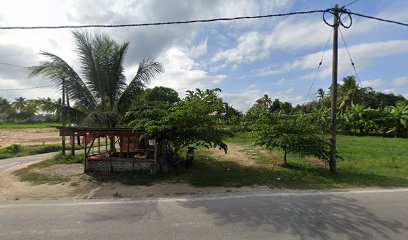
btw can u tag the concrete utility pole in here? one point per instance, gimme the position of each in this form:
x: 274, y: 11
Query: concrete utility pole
x: 333, y: 114
x: 63, y: 116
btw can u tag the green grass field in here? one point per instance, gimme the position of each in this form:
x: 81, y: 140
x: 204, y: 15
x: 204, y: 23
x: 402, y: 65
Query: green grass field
x: 27, y: 125
x: 367, y: 162
x: 33, y: 149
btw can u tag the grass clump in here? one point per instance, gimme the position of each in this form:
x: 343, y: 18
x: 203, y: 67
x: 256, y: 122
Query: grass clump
x: 15, y: 150
x: 27, y: 125
x: 31, y: 173
x: 367, y: 162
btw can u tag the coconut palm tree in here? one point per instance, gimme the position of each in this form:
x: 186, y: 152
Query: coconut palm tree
x: 19, y: 103
x: 100, y: 93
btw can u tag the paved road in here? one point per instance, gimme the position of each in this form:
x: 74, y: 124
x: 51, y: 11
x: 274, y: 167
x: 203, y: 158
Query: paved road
x: 10, y: 164
x: 355, y: 215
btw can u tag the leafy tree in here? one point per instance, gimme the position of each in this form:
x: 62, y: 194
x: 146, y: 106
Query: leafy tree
x: 152, y: 105
x: 100, y: 93
x: 6, y: 108
x: 161, y: 94
x: 19, y: 103
x: 291, y: 134
x: 195, y: 120
x: 398, y: 117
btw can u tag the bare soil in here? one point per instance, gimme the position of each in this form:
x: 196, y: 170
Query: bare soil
x: 81, y: 186
x: 29, y: 136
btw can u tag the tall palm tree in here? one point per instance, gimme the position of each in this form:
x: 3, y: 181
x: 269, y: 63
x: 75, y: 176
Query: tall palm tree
x: 100, y: 93
x: 19, y: 103
x: 320, y: 94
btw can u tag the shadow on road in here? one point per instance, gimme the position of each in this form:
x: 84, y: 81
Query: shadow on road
x: 307, y: 217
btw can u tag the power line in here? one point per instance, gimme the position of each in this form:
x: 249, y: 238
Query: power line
x: 351, y: 59
x: 351, y: 3
x: 158, y: 23
x: 379, y: 19
x: 320, y: 64
x: 18, y: 89
x: 13, y: 65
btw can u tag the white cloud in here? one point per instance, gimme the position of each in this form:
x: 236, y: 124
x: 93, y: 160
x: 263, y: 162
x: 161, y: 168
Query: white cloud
x: 242, y: 100
x: 182, y: 73
x: 279, y: 82
x: 400, y: 82
x: 375, y: 83
x: 364, y: 55
x: 391, y: 90
x: 199, y: 50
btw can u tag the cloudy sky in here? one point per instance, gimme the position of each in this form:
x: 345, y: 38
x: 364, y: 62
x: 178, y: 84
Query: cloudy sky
x: 246, y: 59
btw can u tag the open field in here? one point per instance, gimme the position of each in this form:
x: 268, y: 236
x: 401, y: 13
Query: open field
x: 29, y: 136
x: 368, y: 162
x: 27, y: 125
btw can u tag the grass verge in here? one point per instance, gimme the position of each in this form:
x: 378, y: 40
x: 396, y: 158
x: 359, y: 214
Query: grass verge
x: 27, y: 125
x: 32, y: 150
x: 368, y: 162
x: 31, y: 173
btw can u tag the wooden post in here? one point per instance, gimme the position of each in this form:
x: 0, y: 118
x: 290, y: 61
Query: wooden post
x: 99, y: 144
x: 333, y: 113
x: 85, y: 161
x: 106, y: 143
x: 63, y: 116
x: 73, y: 144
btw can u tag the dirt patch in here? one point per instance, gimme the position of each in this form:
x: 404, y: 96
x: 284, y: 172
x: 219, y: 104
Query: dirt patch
x: 236, y: 153
x: 77, y: 185
x: 246, y: 155
x: 81, y: 186
x: 29, y: 136
x: 11, y: 188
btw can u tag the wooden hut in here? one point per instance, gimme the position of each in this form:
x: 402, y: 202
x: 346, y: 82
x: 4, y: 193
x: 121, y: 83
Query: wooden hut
x: 113, y: 149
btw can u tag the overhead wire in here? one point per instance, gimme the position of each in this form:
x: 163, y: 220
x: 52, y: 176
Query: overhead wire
x: 351, y: 3
x: 158, y: 23
x: 319, y: 66
x: 351, y: 59
x: 18, y: 89
x: 12, y: 65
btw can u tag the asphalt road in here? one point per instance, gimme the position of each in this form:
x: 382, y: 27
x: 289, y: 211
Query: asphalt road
x: 10, y: 164
x: 355, y: 215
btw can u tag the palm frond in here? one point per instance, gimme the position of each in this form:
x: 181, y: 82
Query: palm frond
x: 58, y: 71
x: 102, y: 65
x: 148, y: 69
x: 100, y: 118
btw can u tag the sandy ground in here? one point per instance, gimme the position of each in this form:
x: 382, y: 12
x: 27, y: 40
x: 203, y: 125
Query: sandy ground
x: 29, y: 136
x: 81, y: 186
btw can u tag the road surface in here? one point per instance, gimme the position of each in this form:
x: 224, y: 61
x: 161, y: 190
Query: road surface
x: 11, y: 164
x: 352, y: 215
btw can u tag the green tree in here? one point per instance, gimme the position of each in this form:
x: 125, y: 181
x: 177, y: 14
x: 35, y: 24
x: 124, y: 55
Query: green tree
x: 151, y: 105
x: 19, y: 103
x: 100, y: 93
x: 398, y: 118
x: 195, y: 120
x: 6, y: 108
x: 291, y: 134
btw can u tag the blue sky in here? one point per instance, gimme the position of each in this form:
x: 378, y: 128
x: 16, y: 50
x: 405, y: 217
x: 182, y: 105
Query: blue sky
x: 246, y: 59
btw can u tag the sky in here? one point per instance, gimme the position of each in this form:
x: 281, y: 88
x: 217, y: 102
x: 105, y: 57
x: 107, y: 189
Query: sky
x: 245, y: 58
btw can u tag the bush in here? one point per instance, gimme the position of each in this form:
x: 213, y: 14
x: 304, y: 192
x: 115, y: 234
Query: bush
x: 13, y: 148
x: 292, y: 134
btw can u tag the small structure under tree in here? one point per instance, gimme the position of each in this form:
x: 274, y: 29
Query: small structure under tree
x: 115, y: 149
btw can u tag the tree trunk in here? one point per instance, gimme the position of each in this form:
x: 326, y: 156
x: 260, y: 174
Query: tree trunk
x: 285, y: 162
x: 112, y: 143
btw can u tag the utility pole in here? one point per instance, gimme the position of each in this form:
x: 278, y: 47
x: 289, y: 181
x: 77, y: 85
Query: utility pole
x: 333, y: 114
x: 63, y: 115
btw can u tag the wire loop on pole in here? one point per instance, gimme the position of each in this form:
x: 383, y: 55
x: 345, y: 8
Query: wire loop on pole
x: 342, y: 11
